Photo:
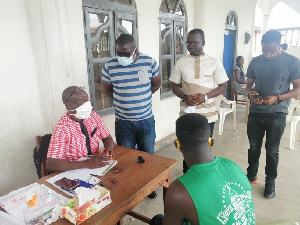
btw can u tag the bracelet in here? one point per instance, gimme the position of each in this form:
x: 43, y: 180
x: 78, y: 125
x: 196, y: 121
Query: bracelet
x: 278, y: 99
x: 248, y: 94
x: 183, y: 98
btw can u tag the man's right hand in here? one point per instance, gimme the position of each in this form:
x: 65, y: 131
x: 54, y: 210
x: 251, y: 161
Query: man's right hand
x: 254, y: 98
x: 96, y: 161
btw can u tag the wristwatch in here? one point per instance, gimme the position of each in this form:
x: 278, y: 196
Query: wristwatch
x: 206, y: 99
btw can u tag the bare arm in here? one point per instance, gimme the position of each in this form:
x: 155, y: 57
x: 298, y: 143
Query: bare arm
x: 238, y: 76
x: 155, y: 83
x: 108, y: 89
x: 269, y: 100
x: 59, y: 165
x: 179, y: 206
x: 109, y: 146
x: 187, y: 98
x: 249, y: 84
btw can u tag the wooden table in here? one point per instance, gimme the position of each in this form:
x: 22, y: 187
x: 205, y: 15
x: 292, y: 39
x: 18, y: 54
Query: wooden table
x: 129, y: 183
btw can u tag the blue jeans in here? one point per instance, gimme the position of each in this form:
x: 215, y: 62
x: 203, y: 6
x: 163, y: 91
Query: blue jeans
x: 273, y: 125
x: 140, y: 133
x: 158, y: 219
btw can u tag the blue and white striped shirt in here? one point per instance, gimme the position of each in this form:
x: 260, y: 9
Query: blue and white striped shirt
x: 132, y: 94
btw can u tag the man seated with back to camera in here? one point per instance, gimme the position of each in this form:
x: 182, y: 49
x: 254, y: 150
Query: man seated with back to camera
x: 77, y: 135
x: 213, y: 191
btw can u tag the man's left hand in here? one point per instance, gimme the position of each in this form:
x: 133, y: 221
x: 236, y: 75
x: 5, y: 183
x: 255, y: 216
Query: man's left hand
x: 270, y: 100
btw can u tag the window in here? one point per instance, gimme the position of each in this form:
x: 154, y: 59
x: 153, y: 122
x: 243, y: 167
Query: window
x: 172, y: 39
x: 104, y: 22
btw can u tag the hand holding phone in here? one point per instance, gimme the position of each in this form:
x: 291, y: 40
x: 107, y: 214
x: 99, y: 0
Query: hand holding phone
x: 256, y: 96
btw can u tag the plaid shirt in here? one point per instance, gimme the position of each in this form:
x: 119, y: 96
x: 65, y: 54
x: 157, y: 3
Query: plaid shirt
x: 68, y: 142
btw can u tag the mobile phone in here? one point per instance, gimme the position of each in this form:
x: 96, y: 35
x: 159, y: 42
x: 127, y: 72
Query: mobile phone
x: 256, y: 96
x: 66, y: 183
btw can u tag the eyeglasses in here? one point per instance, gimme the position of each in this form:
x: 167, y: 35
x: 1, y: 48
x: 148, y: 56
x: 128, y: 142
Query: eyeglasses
x: 76, y: 90
x: 125, y: 54
x: 192, y: 43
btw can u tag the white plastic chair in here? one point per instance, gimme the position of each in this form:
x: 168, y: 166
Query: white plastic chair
x: 223, y: 111
x: 293, y: 120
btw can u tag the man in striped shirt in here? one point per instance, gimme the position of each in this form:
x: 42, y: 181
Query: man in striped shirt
x: 202, y: 77
x: 131, y: 78
x: 77, y: 135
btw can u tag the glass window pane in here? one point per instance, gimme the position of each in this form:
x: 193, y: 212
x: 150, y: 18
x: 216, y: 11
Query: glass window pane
x: 179, y: 40
x: 165, y: 39
x: 127, y: 25
x: 101, y: 49
x: 172, y: 5
x: 163, y: 6
x: 180, y: 10
x: 102, y: 100
x: 165, y: 72
x: 96, y: 20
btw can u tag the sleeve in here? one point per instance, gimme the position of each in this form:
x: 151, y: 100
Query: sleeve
x: 176, y: 74
x: 105, y: 76
x: 103, y: 131
x: 237, y: 68
x: 295, y: 73
x: 220, y: 73
x: 58, y: 143
x: 250, y: 72
x: 155, y: 68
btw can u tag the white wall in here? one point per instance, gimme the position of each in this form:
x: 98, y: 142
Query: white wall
x: 21, y: 116
x: 47, y: 37
x: 210, y: 15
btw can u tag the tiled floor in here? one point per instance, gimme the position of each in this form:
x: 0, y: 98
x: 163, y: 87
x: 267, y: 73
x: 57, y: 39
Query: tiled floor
x: 233, y: 145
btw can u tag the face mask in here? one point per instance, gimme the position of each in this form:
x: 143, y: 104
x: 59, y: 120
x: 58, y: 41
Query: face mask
x: 83, y: 111
x: 124, y: 61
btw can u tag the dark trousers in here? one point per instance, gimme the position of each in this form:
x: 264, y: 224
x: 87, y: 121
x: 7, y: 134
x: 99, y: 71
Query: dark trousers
x: 259, y: 124
x: 211, y: 125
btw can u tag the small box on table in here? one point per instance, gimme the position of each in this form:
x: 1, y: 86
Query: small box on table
x: 75, y: 214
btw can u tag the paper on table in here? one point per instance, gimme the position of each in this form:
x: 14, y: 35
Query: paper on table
x: 15, y: 202
x: 82, y: 174
x: 73, y: 174
x: 7, y: 219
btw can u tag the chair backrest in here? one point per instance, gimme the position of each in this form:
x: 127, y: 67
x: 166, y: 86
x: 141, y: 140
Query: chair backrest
x: 40, y: 154
x: 218, y: 101
x: 294, y: 104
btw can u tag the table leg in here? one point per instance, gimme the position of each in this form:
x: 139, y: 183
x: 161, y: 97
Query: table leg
x: 121, y: 222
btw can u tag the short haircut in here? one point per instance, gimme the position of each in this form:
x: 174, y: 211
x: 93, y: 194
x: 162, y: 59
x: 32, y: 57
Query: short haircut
x: 67, y: 92
x: 238, y: 58
x: 125, y: 39
x: 271, y: 36
x: 198, y: 31
x: 192, y: 130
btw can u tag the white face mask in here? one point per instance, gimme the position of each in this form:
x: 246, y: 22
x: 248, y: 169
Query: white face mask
x: 124, y: 61
x: 83, y: 111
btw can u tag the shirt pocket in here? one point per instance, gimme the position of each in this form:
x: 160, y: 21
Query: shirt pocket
x: 143, y: 76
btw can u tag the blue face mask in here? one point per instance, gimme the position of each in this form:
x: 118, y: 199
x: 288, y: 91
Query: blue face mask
x: 126, y: 61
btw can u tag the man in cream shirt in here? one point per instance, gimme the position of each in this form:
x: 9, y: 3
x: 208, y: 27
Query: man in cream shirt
x: 202, y: 77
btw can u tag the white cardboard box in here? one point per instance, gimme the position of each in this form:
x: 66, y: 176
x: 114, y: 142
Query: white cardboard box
x: 77, y: 215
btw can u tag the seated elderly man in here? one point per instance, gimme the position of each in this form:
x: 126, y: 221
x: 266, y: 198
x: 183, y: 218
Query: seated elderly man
x: 77, y: 135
